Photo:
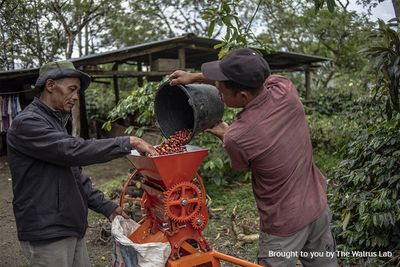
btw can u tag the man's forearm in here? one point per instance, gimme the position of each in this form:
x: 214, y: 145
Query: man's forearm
x: 199, y: 77
x: 134, y: 141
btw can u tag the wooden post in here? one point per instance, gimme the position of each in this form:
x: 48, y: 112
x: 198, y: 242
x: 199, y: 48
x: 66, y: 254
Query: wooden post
x: 308, y: 83
x: 115, y: 83
x: 139, y: 78
x: 83, y: 115
x: 150, y: 62
x: 76, y: 118
x: 182, y: 58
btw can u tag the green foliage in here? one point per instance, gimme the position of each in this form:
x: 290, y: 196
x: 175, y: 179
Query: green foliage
x: 74, y: 16
x: 329, y: 3
x: 216, y: 167
x: 385, y: 53
x: 33, y: 32
x: 139, y: 105
x: 99, y: 101
x: 143, y: 21
x: 326, y: 161
x: 229, y: 196
x: 238, y: 34
x: 331, y: 134
x: 295, y: 26
x: 331, y: 127
x: 28, y: 36
x: 365, y: 193
x: 333, y: 102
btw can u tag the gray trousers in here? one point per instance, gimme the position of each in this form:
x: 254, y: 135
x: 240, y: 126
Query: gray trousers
x: 67, y: 252
x: 313, y: 245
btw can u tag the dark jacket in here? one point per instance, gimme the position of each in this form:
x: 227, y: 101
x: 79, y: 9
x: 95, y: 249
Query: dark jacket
x: 51, y: 195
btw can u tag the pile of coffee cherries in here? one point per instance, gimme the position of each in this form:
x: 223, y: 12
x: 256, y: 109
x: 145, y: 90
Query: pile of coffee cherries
x: 175, y: 143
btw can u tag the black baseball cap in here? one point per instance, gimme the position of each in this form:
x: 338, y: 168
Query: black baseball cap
x: 61, y: 69
x: 243, y: 66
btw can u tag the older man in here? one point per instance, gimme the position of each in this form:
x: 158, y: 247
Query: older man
x: 51, y: 194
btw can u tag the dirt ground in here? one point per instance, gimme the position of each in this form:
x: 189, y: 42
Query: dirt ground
x: 99, y: 251
x: 9, y: 247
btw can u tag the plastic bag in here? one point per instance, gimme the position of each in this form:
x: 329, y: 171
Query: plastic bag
x: 129, y: 254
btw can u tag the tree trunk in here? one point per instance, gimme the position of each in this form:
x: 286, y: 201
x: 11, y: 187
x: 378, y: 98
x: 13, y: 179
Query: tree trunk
x: 76, y: 122
x: 38, y: 38
x: 80, y: 43
x: 325, y: 83
x: 86, y: 40
x: 4, y: 43
x: 12, y: 58
x: 70, y: 46
x: 396, y: 7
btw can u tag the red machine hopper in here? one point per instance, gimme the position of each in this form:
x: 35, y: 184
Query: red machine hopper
x: 174, y: 207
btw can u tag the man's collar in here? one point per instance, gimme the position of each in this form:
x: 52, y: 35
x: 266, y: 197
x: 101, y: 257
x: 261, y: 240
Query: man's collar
x: 62, y: 116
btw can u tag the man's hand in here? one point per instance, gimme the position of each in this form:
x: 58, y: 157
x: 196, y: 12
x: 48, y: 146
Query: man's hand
x: 184, y: 77
x: 143, y: 147
x: 218, y: 130
x: 118, y: 211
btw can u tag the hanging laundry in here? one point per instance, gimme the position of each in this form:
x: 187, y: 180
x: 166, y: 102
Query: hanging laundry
x: 6, y: 119
x: 9, y: 108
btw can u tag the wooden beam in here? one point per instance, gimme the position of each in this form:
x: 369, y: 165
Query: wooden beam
x: 201, y: 48
x: 292, y: 69
x: 100, y: 81
x: 121, y: 74
x: 21, y: 74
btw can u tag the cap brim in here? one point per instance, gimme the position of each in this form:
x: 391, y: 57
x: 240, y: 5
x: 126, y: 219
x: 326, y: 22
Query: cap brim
x: 66, y: 73
x: 85, y: 79
x: 212, y: 71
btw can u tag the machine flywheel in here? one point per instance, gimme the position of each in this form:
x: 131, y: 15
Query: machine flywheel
x: 182, y: 201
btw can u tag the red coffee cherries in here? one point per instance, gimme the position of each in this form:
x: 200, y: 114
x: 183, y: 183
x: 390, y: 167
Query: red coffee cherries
x: 175, y: 143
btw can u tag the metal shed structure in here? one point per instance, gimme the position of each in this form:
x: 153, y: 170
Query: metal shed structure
x: 152, y: 61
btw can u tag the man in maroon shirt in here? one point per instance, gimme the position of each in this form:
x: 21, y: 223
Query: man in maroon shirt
x: 270, y: 137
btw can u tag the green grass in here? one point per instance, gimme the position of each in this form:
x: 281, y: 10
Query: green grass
x: 326, y: 161
x: 234, y: 194
x: 112, y: 185
x: 219, y: 230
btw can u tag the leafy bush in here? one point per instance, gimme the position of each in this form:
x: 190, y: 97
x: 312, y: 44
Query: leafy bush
x: 331, y: 134
x: 332, y: 101
x: 216, y: 167
x: 100, y: 101
x: 365, y: 194
x: 385, y: 54
x: 139, y: 106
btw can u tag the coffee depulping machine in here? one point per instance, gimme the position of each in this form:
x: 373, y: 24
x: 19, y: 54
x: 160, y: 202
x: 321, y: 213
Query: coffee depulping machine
x: 173, y: 207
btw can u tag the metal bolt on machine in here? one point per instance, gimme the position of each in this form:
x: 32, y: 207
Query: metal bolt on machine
x: 174, y: 208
